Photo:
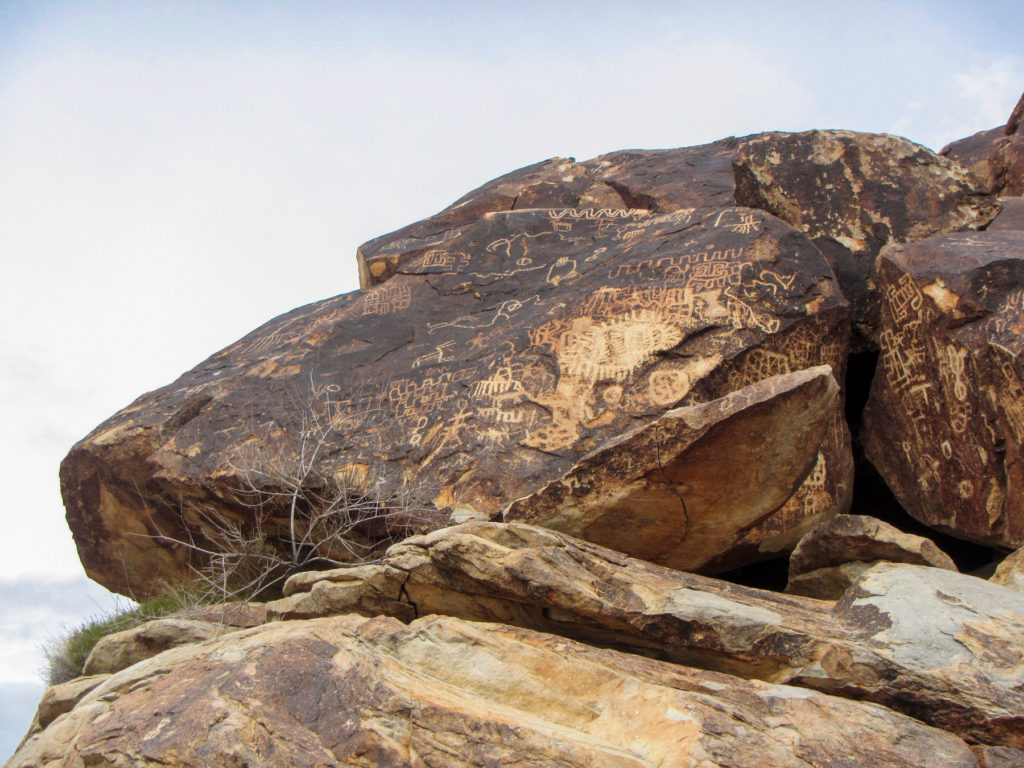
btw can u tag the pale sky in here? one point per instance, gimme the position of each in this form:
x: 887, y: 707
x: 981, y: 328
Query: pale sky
x: 174, y: 174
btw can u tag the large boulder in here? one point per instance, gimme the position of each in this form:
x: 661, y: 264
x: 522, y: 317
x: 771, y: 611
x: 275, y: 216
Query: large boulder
x: 477, y: 375
x: 939, y: 645
x: 445, y: 693
x: 854, y: 193
x: 686, y: 490
x: 944, y: 424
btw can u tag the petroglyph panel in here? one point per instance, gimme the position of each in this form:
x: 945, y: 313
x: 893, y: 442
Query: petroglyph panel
x: 495, y: 360
x: 946, y: 410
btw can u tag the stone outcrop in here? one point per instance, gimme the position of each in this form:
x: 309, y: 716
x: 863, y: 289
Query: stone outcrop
x: 478, y: 374
x: 829, y: 559
x: 62, y: 698
x: 443, y: 692
x: 996, y: 156
x: 998, y: 757
x: 626, y: 373
x: 933, y: 643
x: 116, y: 651
x: 854, y: 193
x: 1010, y: 572
x: 945, y: 421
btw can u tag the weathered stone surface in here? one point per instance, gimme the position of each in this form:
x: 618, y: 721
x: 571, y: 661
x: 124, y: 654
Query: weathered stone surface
x: 238, y: 613
x: 62, y: 698
x: 1006, y: 174
x: 555, y: 183
x: 945, y: 421
x: 447, y: 693
x: 854, y: 193
x: 998, y: 757
x: 478, y: 374
x: 659, y: 180
x: 665, y: 180
x: 683, y: 490
x: 974, y: 153
x: 1013, y: 124
x: 967, y: 631
x: 122, y: 649
x: 829, y: 582
x: 848, y: 539
x: 996, y: 160
x: 1010, y: 217
x: 1010, y: 572
x: 939, y: 645
x: 996, y: 156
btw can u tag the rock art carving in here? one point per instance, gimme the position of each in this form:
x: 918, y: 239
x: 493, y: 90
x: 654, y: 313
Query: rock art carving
x: 945, y: 422
x: 478, y: 376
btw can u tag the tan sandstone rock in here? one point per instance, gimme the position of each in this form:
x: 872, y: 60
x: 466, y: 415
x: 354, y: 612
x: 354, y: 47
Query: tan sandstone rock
x: 944, y: 424
x: 933, y: 643
x: 999, y: 757
x: 445, y: 693
x: 58, y: 699
x: 1010, y: 572
x: 116, y: 651
x: 832, y: 556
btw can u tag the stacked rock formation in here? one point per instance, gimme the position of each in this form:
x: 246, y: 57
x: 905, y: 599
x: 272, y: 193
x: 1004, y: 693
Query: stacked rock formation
x: 623, y: 377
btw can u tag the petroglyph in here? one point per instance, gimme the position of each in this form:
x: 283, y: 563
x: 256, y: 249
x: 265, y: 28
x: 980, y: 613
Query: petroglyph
x: 389, y: 297
x: 439, y: 260
x: 570, y: 214
x: 485, y: 318
x: 613, y: 349
x: 740, y: 221
x: 442, y: 353
x: 668, y: 385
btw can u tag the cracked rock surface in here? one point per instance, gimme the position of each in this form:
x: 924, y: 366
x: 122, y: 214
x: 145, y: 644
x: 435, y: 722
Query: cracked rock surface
x: 936, y: 644
x: 442, y: 692
x: 945, y: 421
x: 478, y: 375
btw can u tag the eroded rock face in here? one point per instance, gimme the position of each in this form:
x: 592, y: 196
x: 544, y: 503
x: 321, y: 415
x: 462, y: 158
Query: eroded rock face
x: 816, y: 566
x: 1010, y: 572
x: 945, y: 421
x: 443, y: 692
x: 996, y: 156
x: 476, y: 375
x: 1011, y: 216
x: 684, y: 490
x: 939, y: 645
x: 116, y: 651
x: 658, y: 181
x: 854, y: 193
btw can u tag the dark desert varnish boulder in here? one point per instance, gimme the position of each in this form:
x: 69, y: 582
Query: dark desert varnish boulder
x: 854, y: 193
x: 945, y: 421
x: 479, y: 373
